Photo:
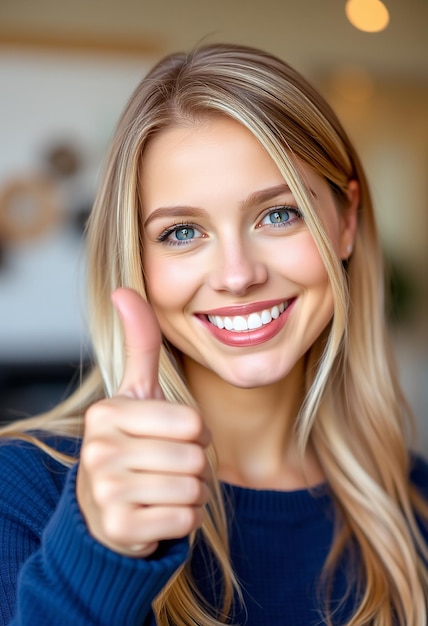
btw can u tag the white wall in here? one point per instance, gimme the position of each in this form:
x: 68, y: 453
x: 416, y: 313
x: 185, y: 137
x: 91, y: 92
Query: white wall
x: 44, y: 99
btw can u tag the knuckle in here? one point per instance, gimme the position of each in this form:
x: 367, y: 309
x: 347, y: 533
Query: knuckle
x: 114, y: 526
x: 103, y: 492
x: 99, y: 416
x: 96, y: 412
x: 94, y: 453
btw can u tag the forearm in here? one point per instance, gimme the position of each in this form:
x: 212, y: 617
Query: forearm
x: 71, y: 579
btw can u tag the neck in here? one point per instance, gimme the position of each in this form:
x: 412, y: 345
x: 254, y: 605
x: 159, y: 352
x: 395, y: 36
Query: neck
x: 253, y: 430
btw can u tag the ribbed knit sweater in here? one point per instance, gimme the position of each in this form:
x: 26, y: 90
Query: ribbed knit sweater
x: 52, y: 572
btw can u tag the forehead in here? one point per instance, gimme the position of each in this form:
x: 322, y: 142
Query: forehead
x: 217, y: 166
x: 213, y: 160
x: 187, y: 163
x: 208, y: 136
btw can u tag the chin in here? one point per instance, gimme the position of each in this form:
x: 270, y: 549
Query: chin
x: 253, y: 379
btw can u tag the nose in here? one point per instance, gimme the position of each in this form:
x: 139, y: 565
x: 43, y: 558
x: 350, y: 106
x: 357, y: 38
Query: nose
x: 236, y: 268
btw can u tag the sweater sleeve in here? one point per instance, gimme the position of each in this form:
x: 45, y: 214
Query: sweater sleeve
x: 53, y: 571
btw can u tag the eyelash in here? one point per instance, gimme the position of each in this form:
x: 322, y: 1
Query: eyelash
x: 284, y: 207
x: 163, y: 237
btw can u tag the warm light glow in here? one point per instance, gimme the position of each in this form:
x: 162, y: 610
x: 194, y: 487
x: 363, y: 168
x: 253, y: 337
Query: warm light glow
x: 353, y: 84
x: 370, y: 16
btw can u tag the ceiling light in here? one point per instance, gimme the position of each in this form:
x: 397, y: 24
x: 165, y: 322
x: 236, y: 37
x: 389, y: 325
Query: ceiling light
x: 370, y: 16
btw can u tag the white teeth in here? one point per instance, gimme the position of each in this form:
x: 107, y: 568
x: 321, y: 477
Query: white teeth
x: 241, y: 323
x: 266, y: 316
x: 228, y: 323
x: 254, y: 321
x: 219, y: 322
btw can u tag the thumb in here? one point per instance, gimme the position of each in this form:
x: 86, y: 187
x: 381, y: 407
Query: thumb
x: 142, y: 343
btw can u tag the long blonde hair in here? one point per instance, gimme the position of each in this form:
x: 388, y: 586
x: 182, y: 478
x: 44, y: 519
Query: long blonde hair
x: 354, y: 414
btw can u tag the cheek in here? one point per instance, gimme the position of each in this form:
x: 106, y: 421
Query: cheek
x: 168, y: 285
x: 302, y: 263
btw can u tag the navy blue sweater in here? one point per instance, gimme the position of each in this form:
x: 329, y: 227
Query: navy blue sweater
x: 52, y: 572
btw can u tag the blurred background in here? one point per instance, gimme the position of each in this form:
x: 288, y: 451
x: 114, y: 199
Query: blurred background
x: 66, y: 71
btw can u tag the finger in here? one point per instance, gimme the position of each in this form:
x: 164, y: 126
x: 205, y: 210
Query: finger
x: 148, y: 489
x: 169, y: 456
x: 161, y: 421
x: 148, y: 455
x: 145, y: 525
x: 142, y: 344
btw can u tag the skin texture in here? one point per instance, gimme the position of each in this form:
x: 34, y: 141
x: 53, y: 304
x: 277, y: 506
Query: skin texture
x: 212, y: 242
x: 143, y: 471
x: 236, y: 256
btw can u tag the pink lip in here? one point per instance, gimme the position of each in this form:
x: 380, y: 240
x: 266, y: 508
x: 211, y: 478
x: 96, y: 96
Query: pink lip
x: 250, y: 337
x: 243, y: 309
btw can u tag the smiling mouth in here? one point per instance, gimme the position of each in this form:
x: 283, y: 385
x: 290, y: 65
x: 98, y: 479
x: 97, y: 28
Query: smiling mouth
x: 253, y: 321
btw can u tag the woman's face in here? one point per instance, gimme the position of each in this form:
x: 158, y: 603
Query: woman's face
x: 232, y: 272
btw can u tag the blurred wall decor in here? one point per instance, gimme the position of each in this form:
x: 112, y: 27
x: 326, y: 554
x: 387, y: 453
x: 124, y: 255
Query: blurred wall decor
x: 57, y: 116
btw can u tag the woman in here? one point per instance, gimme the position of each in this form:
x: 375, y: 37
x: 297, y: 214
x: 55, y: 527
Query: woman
x: 244, y: 454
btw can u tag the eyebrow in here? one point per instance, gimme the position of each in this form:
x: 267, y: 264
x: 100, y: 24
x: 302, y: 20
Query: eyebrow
x: 258, y: 197
x: 175, y: 211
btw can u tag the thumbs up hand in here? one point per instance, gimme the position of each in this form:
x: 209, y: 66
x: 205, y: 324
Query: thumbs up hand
x: 143, y: 470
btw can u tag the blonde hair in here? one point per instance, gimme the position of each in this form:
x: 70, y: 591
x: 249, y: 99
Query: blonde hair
x: 354, y: 414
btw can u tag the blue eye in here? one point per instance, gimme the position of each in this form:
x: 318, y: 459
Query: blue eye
x: 184, y: 233
x: 281, y: 216
x: 180, y: 234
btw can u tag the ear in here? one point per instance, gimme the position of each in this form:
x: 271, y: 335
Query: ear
x: 348, y: 217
